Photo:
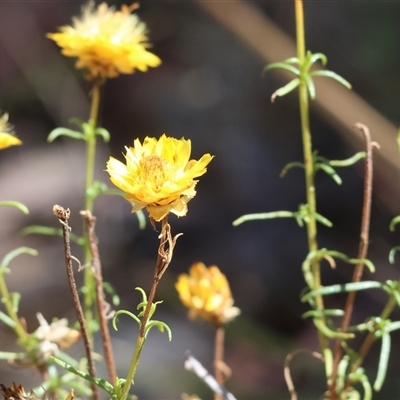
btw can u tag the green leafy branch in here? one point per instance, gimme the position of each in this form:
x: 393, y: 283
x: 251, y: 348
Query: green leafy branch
x: 86, y: 133
x: 322, y: 163
x: 303, y: 73
x: 150, y: 323
x: 329, y: 255
x: 301, y: 216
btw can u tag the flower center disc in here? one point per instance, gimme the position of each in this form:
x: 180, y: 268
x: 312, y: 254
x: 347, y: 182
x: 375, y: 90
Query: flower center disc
x: 155, y: 168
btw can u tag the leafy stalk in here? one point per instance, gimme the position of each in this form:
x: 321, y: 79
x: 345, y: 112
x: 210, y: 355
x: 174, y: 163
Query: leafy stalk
x: 308, y: 160
x: 89, y: 281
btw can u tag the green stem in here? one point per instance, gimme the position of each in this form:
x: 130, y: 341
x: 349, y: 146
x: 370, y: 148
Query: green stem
x: 308, y: 160
x: 89, y: 283
x: 140, y: 340
x: 165, y: 251
x: 6, y: 299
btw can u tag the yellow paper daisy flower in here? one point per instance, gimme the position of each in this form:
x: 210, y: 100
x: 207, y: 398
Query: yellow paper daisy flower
x: 158, y: 175
x: 7, y: 135
x: 106, y: 42
x: 206, y: 293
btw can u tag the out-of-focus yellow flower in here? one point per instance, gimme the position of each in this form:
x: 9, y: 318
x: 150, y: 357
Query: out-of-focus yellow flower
x: 7, y: 136
x: 158, y: 175
x: 206, y: 293
x: 106, y: 42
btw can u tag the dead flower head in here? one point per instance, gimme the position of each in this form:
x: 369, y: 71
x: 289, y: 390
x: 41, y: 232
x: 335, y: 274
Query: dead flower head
x: 158, y: 175
x: 54, y: 336
x: 106, y: 42
x: 18, y: 393
x: 206, y: 293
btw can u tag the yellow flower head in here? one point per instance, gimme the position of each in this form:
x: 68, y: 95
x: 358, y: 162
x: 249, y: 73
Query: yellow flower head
x: 206, y: 293
x: 106, y: 42
x: 158, y: 175
x: 7, y: 138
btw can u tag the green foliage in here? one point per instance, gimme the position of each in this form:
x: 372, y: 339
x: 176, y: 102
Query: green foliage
x: 304, y: 73
x: 15, y: 204
x: 150, y: 323
x: 86, y: 133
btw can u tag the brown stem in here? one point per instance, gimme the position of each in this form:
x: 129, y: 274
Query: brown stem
x: 102, y: 305
x: 362, y: 252
x: 63, y: 216
x: 164, y: 257
x: 219, y: 357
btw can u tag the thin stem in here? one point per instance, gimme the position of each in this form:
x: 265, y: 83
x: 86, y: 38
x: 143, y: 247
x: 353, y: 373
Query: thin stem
x: 6, y: 299
x: 89, y: 284
x: 308, y: 161
x: 362, y: 251
x: 165, y: 252
x: 91, y: 145
x: 63, y: 216
x: 219, y: 357
x: 139, y: 343
x: 102, y: 305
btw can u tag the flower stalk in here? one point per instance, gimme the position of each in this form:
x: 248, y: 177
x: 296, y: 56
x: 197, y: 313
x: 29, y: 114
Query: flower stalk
x: 219, y: 357
x: 309, y: 171
x: 89, y: 281
x: 165, y: 252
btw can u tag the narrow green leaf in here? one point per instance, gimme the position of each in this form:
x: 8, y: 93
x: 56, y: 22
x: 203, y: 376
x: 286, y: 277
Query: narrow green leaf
x: 392, y: 326
x: 101, y: 383
x: 319, y: 57
x: 333, y: 75
x: 342, y: 288
x: 323, y: 313
x: 383, y: 361
x: 103, y: 133
x: 328, y: 360
x: 55, y: 133
x: 285, y: 89
x: 118, y: 313
x: 348, y: 161
x: 394, y: 222
x: 15, y: 253
x: 260, y: 216
x: 6, y: 355
x: 329, y: 333
x: 161, y: 326
x: 46, y: 230
x: 392, y: 254
x: 6, y: 319
x: 341, y: 373
x: 287, y: 167
x: 292, y: 60
x: 322, y: 220
x: 330, y: 171
x: 310, y: 86
x: 282, y: 65
x: 15, y: 204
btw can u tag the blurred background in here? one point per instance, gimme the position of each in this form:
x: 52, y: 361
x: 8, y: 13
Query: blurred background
x: 209, y: 89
